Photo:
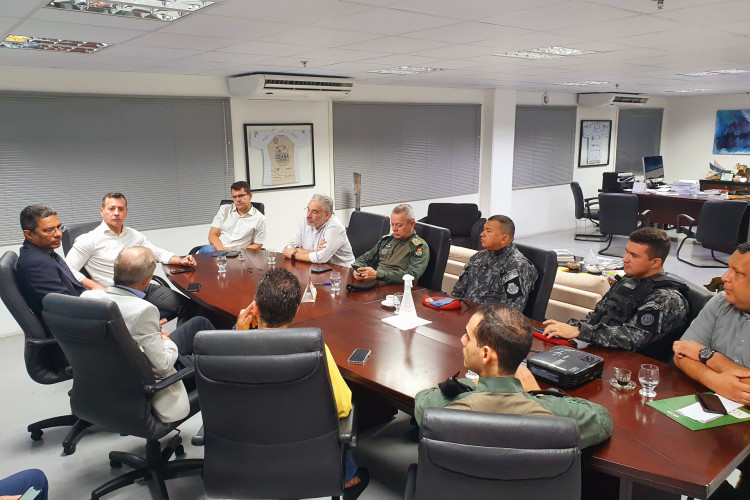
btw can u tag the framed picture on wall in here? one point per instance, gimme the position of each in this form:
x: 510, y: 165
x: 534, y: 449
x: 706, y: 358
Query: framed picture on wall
x: 279, y: 156
x: 593, y: 147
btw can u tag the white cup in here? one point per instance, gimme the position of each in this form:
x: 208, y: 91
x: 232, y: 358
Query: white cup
x: 389, y: 300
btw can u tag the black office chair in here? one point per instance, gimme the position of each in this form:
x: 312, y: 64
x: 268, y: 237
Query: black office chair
x: 113, y: 385
x: 545, y: 262
x: 584, y: 210
x: 486, y: 456
x: 45, y: 362
x: 260, y: 207
x: 365, y: 229
x: 271, y: 428
x: 719, y: 226
x: 463, y: 220
x: 73, y: 231
x: 439, y: 240
x: 697, y: 297
x: 618, y: 215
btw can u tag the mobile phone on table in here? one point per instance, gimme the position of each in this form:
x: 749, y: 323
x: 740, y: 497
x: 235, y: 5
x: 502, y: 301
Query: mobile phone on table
x: 31, y: 494
x: 219, y: 253
x: 711, y: 403
x: 320, y: 269
x: 232, y: 254
x: 193, y: 287
x: 181, y: 270
x: 359, y: 356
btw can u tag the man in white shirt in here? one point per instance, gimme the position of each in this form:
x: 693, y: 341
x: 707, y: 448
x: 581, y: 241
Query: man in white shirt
x: 239, y: 225
x: 321, y: 236
x: 97, y: 250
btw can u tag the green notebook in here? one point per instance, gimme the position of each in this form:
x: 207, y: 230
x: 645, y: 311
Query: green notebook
x: 670, y: 406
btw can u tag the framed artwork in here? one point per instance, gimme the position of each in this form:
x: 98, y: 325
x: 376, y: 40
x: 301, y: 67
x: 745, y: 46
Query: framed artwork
x: 279, y: 156
x: 732, y: 132
x: 594, y: 144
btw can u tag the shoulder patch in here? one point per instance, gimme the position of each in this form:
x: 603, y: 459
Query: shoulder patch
x: 417, y: 241
x: 418, y: 252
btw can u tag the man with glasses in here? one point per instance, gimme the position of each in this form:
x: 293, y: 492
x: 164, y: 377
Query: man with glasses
x: 321, y: 236
x: 239, y: 225
x: 40, y: 270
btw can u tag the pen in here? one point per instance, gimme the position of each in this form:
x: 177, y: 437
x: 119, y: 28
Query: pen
x: 323, y: 284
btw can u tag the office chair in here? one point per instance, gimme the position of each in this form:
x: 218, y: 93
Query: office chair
x: 583, y: 210
x: 271, y: 427
x: 45, y: 362
x: 719, y: 225
x: 545, y: 262
x: 463, y: 220
x: 113, y: 385
x: 439, y: 240
x: 618, y: 215
x: 486, y: 456
x: 365, y: 229
x: 260, y: 207
x: 73, y: 231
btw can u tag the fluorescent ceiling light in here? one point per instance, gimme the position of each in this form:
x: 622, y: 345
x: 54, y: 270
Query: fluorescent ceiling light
x: 582, y: 84
x: 162, y: 10
x: 405, y: 70
x: 688, y: 91
x: 51, y: 44
x: 545, y: 53
x: 716, y: 72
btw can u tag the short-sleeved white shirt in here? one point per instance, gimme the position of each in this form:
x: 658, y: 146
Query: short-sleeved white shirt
x: 240, y: 230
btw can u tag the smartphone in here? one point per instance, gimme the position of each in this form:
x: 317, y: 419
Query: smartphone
x: 711, y: 403
x: 232, y: 254
x: 359, y: 356
x: 320, y: 269
x: 355, y: 267
x: 219, y: 252
x: 30, y: 494
x: 193, y: 287
x: 181, y: 270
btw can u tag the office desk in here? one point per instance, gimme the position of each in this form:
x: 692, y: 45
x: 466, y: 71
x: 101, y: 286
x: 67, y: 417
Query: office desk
x: 646, y: 447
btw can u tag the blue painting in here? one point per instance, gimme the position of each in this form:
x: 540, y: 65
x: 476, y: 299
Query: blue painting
x: 732, y: 132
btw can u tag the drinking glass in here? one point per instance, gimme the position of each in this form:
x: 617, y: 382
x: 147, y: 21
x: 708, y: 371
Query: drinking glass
x: 648, y: 376
x: 398, y: 298
x: 335, y: 281
x: 271, y: 258
x: 221, y: 262
x: 242, y: 255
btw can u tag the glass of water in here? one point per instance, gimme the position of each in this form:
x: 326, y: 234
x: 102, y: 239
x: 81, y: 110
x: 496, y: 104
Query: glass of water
x: 242, y: 255
x: 221, y: 263
x: 648, y: 376
x: 271, y: 258
x: 335, y: 281
x: 398, y: 299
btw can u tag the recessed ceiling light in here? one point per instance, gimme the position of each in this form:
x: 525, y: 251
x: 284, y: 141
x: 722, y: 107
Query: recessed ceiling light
x: 688, y: 91
x: 581, y: 84
x: 51, y: 44
x: 162, y: 10
x: 545, y: 53
x: 405, y: 70
x: 716, y: 72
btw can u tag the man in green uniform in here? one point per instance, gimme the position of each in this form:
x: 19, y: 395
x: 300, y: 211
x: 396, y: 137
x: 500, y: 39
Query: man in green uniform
x: 401, y: 252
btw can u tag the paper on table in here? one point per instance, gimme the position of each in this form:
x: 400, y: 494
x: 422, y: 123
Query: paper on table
x: 695, y: 410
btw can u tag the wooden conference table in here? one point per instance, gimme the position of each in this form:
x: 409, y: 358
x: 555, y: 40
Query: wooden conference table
x: 646, y: 446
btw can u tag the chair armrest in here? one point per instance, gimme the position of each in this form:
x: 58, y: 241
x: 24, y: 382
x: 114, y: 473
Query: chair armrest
x: 689, y: 220
x: 347, y: 428
x: 166, y: 382
x: 40, y: 342
x: 591, y: 201
x: 197, y: 440
x: 410, y: 492
x: 645, y: 218
x: 160, y: 280
x: 68, y: 370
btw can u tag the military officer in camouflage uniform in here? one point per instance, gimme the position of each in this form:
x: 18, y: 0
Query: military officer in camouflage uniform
x: 396, y: 254
x: 642, y: 312
x: 500, y: 273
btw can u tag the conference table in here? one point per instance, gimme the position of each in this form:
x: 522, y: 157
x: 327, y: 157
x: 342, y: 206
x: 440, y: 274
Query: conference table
x: 646, y: 446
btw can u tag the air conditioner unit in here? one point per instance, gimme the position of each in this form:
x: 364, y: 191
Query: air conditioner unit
x: 278, y: 86
x: 601, y: 100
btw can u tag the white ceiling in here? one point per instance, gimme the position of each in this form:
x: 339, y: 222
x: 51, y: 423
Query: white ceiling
x: 639, y: 48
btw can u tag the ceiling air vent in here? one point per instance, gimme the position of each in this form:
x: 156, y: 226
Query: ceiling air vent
x: 600, y: 100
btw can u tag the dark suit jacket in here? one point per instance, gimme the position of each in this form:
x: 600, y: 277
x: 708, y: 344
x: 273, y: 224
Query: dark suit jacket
x: 39, y: 273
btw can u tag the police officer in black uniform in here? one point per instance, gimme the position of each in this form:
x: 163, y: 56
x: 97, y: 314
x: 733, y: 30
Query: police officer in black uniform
x: 642, y: 312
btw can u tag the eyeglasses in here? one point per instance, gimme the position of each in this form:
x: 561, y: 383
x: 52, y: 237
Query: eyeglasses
x: 51, y: 230
x: 235, y: 196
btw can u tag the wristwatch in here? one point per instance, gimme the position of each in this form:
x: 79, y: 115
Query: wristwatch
x: 294, y: 255
x: 705, y: 354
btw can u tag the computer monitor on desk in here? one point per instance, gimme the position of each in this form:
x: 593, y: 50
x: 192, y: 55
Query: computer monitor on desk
x: 653, y: 170
x: 617, y: 181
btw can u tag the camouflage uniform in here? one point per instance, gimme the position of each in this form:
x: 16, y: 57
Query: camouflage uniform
x: 504, y: 276
x: 662, y: 313
x: 392, y: 258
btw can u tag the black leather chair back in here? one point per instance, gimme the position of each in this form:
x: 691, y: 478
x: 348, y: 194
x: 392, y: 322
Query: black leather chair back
x: 489, y: 456
x: 271, y: 427
x: 260, y: 207
x: 439, y: 240
x: 365, y: 229
x: 463, y: 220
x: 45, y: 363
x: 545, y: 262
x: 73, y: 231
x: 618, y: 213
x: 577, y: 199
x: 719, y: 222
x: 109, y: 370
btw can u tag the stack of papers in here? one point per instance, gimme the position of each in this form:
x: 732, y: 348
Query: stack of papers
x: 695, y: 411
x: 563, y: 255
x: 685, y: 187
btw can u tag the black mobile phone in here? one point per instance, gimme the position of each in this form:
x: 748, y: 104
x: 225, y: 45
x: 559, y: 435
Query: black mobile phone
x: 320, y: 269
x: 355, y: 267
x: 711, y: 403
x: 219, y: 252
x: 232, y: 254
x: 31, y: 494
x: 359, y: 356
x: 181, y: 270
x: 193, y: 287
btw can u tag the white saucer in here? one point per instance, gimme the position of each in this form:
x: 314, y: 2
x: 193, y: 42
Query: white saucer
x: 631, y: 385
x: 387, y: 304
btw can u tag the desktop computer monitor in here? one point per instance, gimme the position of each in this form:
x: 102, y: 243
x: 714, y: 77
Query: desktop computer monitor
x: 653, y: 167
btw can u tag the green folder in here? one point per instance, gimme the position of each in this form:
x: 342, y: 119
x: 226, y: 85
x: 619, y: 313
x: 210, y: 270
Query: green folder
x: 670, y: 406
